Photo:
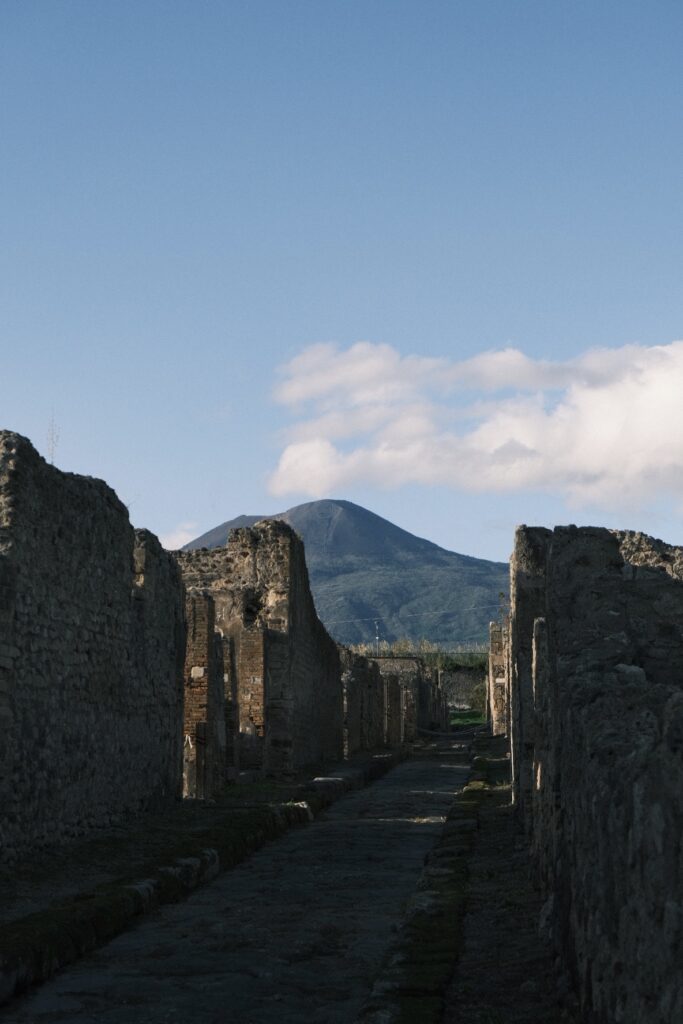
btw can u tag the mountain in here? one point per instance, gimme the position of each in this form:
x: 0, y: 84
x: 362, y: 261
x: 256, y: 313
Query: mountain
x: 364, y: 568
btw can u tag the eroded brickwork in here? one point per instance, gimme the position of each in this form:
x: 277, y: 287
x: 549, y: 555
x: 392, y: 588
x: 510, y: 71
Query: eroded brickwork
x: 204, y: 727
x: 287, y: 667
x: 606, y: 773
x: 91, y: 656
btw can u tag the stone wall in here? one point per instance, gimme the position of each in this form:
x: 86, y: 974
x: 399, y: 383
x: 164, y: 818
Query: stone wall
x: 460, y: 685
x: 204, y: 726
x: 411, y: 674
x: 496, y: 694
x: 352, y: 673
x: 527, y: 597
x: 287, y: 666
x: 393, y: 736
x: 91, y: 657
x: 423, y: 698
x: 373, y: 706
x: 605, y: 776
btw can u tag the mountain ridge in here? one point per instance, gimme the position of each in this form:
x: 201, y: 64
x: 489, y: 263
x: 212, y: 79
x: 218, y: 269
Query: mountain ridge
x: 364, y: 568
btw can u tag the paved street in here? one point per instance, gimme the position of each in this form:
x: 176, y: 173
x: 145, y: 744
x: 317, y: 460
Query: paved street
x: 293, y: 935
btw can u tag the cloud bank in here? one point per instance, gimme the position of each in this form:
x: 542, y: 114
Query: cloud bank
x: 178, y: 537
x: 602, y: 429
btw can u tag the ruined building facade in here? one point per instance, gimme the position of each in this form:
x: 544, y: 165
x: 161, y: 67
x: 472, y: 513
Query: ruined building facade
x: 288, y: 674
x: 91, y: 646
x: 594, y: 675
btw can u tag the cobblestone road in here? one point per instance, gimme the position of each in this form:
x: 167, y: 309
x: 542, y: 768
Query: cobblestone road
x: 294, y: 935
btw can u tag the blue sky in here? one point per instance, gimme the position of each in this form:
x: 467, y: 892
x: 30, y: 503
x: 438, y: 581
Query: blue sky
x: 197, y: 194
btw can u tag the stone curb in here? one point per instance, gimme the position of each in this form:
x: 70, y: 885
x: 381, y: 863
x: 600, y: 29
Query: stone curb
x: 34, y: 948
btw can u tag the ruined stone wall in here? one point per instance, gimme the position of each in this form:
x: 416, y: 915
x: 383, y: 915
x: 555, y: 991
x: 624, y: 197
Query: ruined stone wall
x: 315, y: 670
x: 250, y: 647
x: 423, y: 697
x: 352, y: 675
x: 496, y: 697
x: 365, y: 702
x: 433, y: 709
x: 460, y: 684
x: 260, y: 586
x: 394, y: 714
x: 411, y: 674
x: 606, y: 775
x: 91, y: 656
x: 527, y: 597
x: 204, y: 727
x: 225, y: 656
x: 373, y: 706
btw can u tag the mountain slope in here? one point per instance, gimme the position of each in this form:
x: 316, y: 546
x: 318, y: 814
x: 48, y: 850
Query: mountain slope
x: 364, y: 568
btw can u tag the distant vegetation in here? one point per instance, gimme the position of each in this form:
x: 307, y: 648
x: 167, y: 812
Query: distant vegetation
x: 468, y: 717
x: 473, y: 657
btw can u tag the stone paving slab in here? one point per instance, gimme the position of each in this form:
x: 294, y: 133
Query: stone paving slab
x: 61, y: 906
x: 294, y: 934
x: 506, y: 971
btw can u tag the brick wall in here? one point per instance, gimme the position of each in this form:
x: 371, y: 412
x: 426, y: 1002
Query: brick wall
x: 204, y: 768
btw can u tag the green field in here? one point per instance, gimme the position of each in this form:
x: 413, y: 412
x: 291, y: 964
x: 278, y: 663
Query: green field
x: 468, y: 717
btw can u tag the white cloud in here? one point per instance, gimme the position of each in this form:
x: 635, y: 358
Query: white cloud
x: 603, y: 428
x: 182, y: 534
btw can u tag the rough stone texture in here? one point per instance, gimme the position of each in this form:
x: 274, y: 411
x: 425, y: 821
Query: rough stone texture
x: 423, y: 697
x: 497, y: 680
x: 204, y: 726
x: 295, y: 935
x: 527, y: 594
x: 412, y: 676
x: 287, y: 666
x: 91, y: 656
x: 373, y: 705
x: 352, y: 675
x: 393, y: 736
x: 459, y: 685
x: 607, y: 767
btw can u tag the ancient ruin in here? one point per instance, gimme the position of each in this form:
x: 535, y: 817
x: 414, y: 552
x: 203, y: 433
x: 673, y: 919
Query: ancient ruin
x: 288, y: 676
x: 130, y: 677
x: 595, y: 706
x: 91, y: 648
x: 424, y: 705
x: 496, y: 693
x: 209, y: 710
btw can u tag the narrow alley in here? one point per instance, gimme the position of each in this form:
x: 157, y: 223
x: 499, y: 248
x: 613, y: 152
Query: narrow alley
x: 297, y: 933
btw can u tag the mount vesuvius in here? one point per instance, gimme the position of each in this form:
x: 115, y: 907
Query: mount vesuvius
x: 365, y: 569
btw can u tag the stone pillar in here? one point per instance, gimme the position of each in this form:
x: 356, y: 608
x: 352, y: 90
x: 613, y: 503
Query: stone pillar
x: 497, y: 688
x: 204, y: 718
